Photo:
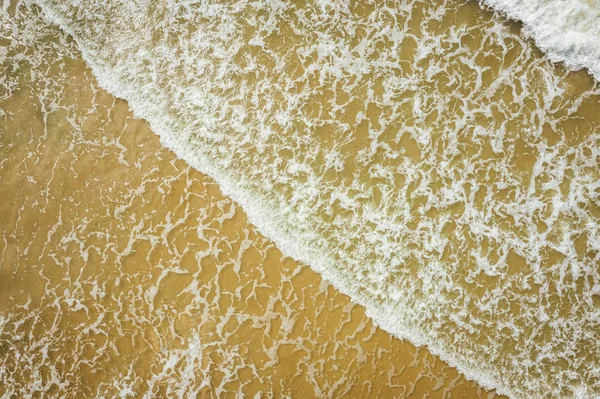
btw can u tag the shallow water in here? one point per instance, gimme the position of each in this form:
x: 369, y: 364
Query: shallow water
x: 126, y: 272
x: 422, y: 157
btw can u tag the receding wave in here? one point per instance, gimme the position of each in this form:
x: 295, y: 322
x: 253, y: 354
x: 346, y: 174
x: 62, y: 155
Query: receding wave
x: 421, y: 157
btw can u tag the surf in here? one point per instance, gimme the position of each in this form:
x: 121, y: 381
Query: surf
x: 423, y: 158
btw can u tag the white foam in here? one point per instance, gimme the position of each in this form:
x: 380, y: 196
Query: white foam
x: 194, y: 105
x: 567, y: 31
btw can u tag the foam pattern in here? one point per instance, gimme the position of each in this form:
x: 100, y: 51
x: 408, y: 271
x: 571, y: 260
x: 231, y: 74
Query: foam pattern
x: 567, y: 31
x: 424, y: 158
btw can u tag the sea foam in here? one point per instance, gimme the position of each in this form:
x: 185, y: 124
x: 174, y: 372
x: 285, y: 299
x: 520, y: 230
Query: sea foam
x: 420, y: 157
x: 566, y: 31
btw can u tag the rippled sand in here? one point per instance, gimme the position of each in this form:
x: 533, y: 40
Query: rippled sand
x: 455, y: 194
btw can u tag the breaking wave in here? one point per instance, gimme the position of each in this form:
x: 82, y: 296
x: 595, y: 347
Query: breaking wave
x: 567, y: 31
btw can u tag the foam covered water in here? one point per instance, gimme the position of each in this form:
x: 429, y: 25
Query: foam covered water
x: 423, y: 158
x: 126, y: 273
x: 567, y: 31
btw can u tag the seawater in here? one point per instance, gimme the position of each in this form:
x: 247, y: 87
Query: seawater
x: 424, y: 158
x: 126, y: 273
